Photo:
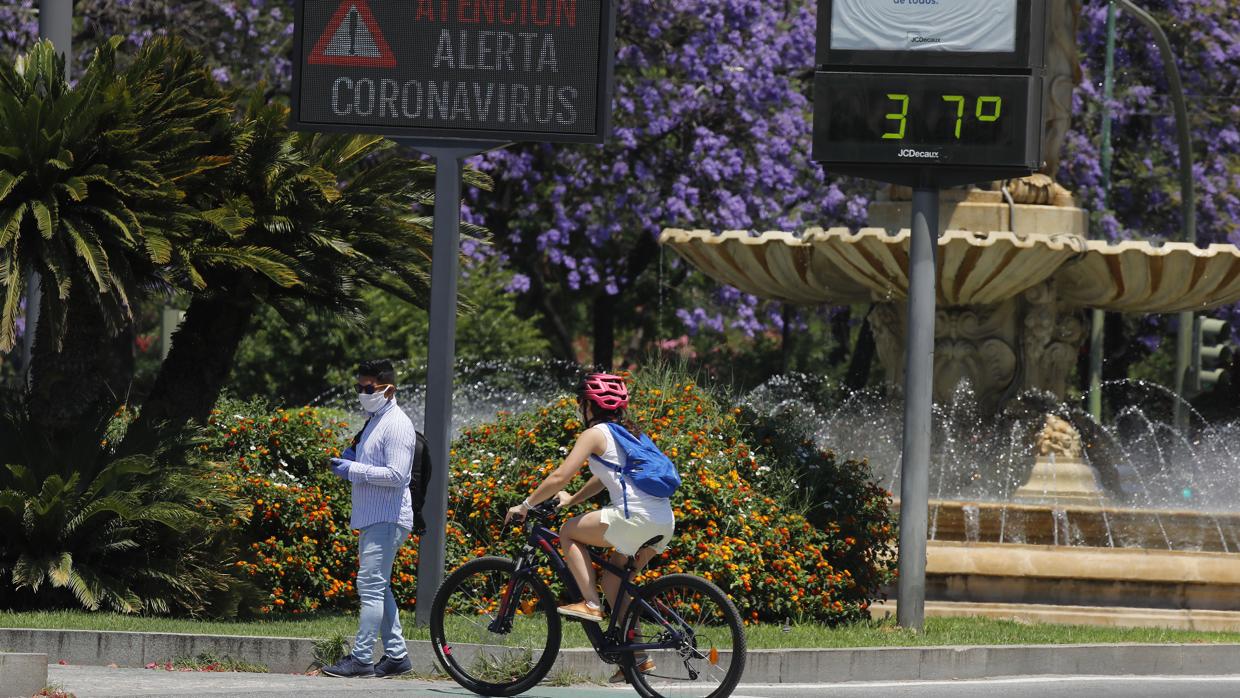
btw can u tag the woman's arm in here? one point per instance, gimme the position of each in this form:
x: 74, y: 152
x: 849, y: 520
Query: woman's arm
x: 590, y: 442
x: 591, y: 488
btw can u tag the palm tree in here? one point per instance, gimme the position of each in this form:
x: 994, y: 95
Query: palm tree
x: 92, y: 181
x: 329, y: 214
x: 129, y: 534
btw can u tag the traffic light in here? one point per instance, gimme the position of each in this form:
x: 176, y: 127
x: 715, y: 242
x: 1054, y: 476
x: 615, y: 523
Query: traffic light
x: 1212, y: 351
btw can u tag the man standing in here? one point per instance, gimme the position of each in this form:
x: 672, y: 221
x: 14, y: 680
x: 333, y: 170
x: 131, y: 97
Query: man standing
x: 378, y: 464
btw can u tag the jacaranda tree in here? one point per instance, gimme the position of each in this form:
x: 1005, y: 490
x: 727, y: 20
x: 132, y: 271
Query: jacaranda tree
x: 713, y: 130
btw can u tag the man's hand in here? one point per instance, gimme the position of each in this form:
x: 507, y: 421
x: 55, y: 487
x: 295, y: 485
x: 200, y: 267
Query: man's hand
x: 419, y: 524
x: 340, y: 468
x: 562, y: 499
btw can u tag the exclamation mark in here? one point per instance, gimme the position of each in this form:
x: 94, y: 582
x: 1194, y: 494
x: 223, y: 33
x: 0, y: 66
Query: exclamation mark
x: 353, y: 31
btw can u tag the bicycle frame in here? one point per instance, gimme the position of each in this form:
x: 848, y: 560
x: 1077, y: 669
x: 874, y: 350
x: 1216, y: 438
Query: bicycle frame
x: 606, y: 642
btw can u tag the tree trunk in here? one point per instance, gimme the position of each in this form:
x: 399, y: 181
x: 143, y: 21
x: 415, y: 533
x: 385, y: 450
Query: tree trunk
x: 785, y: 340
x: 191, y: 378
x: 841, y: 329
x: 604, y: 317
x: 559, y: 335
x: 862, y: 358
x: 74, y: 390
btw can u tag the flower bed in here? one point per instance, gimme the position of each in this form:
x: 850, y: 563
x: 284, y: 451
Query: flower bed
x: 740, y: 522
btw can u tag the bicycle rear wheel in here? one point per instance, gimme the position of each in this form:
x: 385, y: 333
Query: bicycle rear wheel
x: 709, y: 659
x: 485, y: 652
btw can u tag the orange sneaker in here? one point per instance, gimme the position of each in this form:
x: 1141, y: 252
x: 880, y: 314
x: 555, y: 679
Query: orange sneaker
x: 644, y: 664
x: 583, y: 611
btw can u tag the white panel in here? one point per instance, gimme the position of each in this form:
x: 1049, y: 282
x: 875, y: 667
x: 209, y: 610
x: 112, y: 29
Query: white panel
x: 964, y: 26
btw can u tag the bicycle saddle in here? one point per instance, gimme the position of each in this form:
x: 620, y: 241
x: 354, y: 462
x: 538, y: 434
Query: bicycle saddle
x: 651, y: 543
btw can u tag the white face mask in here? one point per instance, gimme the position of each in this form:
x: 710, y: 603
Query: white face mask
x: 374, y: 402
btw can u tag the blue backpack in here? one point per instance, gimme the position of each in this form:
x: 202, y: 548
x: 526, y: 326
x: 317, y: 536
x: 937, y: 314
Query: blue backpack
x: 649, y: 469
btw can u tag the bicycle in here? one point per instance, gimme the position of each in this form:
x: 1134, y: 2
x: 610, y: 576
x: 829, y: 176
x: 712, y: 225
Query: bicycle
x: 496, y: 632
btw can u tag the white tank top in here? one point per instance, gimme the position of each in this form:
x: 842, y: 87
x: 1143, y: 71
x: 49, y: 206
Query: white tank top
x: 654, y: 509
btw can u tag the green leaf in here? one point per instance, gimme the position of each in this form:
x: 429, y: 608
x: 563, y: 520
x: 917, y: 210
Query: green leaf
x: 14, y: 288
x: 8, y: 181
x: 86, y: 593
x: 12, y: 224
x: 274, y: 265
x: 60, y: 569
x: 113, y: 221
x: 75, y: 187
x: 89, y: 251
x: 28, y: 573
x: 13, y: 501
x: 158, y: 246
x: 42, y: 217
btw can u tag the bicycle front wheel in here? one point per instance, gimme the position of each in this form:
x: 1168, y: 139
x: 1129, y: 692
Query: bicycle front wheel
x: 488, y: 645
x: 708, y: 657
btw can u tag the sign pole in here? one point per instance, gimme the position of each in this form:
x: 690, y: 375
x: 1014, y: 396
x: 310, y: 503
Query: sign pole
x: 445, y: 269
x: 1097, y: 333
x: 55, y: 25
x: 918, y: 404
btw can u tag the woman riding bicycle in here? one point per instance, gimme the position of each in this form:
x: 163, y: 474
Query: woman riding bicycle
x: 632, y: 519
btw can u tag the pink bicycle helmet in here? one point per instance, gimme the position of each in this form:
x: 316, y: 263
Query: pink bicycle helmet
x: 605, y: 390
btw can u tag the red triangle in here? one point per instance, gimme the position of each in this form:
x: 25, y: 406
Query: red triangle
x: 376, y: 55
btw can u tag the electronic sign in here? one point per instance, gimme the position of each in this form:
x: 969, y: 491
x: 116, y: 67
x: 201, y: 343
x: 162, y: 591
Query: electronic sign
x: 485, y: 70
x: 964, y: 26
x: 925, y: 92
x: 960, y: 120
x: 993, y: 34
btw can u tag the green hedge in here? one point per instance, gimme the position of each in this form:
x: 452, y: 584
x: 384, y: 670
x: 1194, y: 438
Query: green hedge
x: 785, y: 528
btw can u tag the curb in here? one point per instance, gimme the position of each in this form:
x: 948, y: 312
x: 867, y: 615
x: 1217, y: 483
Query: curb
x: 22, y: 675
x: 295, y: 655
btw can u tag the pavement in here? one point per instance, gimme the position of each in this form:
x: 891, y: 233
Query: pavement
x: 787, y: 666
x: 98, y: 682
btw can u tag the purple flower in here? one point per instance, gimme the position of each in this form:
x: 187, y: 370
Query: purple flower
x: 520, y: 283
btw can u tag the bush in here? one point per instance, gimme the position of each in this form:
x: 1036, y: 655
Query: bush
x: 292, y: 525
x: 82, y: 525
x: 294, y: 538
x: 777, y: 557
x: 785, y: 528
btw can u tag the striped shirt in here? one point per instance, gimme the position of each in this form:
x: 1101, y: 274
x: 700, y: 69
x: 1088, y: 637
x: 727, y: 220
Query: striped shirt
x: 379, y: 468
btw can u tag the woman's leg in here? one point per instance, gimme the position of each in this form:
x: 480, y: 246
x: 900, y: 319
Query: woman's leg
x: 611, y: 583
x: 575, y: 535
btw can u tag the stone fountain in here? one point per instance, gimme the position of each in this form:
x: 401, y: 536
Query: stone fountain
x: 1016, y: 273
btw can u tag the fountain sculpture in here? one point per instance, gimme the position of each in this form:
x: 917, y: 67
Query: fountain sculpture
x: 1016, y: 273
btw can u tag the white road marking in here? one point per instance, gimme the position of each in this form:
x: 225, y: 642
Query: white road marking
x: 1001, y: 681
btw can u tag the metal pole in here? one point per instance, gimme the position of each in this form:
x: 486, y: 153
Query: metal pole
x: 445, y: 268
x: 1098, y: 317
x: 1188, y: 194
x: 918, y: 404
x: 55, y: 25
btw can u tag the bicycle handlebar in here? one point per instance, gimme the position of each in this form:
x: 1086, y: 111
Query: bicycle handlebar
x: 544, y: 513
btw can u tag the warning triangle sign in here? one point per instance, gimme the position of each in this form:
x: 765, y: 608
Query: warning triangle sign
x: 353, y: 39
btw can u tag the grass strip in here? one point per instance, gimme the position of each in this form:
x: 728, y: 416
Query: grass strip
x: 884, y: 633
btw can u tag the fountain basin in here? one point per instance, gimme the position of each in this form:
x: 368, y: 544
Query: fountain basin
x: 1110, y: 617
x: 1010, y: 304
x: 1098, y: 577
x: 1082, y: 526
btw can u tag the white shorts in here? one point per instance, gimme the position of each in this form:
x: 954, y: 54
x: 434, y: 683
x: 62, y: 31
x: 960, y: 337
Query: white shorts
x: 627, y: 535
